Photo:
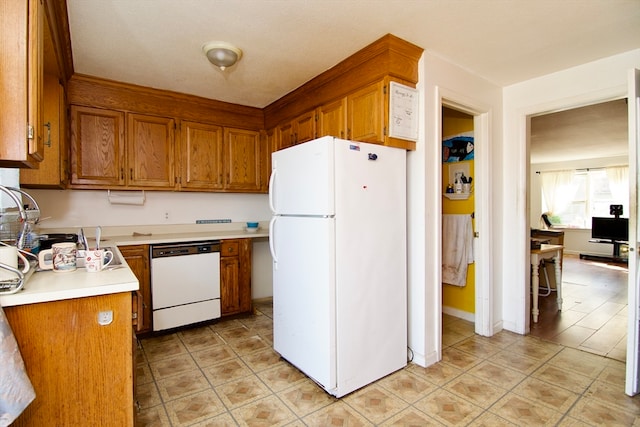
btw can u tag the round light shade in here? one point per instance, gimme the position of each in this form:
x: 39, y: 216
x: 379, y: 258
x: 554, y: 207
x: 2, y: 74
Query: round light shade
x: 222, y: 54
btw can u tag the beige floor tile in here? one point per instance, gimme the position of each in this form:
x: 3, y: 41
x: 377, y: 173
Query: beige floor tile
x: 438, y: 374
x: 181, y: 385
x: 222, y: 420
x: 488, y: 419
x: 407, y: 386
x: 560, y: 377
x: 242, y: 391
x: 336, y: 414
x: 163, y: 348
x: 524, y: 412
x: 448, y: 408
x: 148, y: 395
x: 262, y: 359
x: 226, y: 371
x: 596, y: 412
x: 143, y: 374
x: 411, y: 417
x: 613, y: 396
x: 153, y: 417
x: 199, y: 339
x: 376, y: 403
x: 281, y: 376
x: 517, y: 362
x: 478, y: 346
x: 213, y: 355
x: 306, y: 397
x: 194, y: 408
x: 249, y: 345
x: 535, y: 348
x: 497, y: 375
x: 173, y: 366
x: 475, y: 390
x: 557, y: 398
x: 459, y: 358
x: 268, y: 411
x: 578, y: 361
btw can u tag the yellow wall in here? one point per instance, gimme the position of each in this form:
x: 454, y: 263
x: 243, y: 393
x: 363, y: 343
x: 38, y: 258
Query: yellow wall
x: 459, y: 298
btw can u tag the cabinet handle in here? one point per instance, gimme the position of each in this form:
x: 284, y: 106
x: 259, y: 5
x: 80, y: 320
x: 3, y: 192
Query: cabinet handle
x: 48, y: 142
x: 131, y: 174
x: 122, y: 173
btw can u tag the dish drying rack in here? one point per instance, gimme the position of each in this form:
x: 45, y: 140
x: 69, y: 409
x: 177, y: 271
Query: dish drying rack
x: 26, y: 219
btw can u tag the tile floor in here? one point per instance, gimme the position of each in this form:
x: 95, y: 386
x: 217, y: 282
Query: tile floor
x: 227, y: 374
x: 594, y: 309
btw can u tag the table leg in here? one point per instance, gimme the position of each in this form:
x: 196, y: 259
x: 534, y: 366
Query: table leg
x: 535, y: 282
x: 558, y: 260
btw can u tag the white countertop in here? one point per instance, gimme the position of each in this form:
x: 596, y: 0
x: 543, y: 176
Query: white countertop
x: 45, y: 286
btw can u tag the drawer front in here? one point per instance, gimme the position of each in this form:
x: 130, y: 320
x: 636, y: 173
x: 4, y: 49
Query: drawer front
x: 229, y: 248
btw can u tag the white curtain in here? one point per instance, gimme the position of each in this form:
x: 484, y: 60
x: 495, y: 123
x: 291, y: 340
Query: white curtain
x: 618, y: 177
x: 558, y: 189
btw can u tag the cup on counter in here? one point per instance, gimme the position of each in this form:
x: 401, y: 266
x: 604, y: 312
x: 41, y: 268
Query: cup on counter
x: 60, y: 258
x: 94, y: 260
x: 466, y: 188
x: 9, y: 256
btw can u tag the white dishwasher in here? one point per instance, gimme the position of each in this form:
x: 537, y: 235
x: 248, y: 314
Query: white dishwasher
x: 185, y: 283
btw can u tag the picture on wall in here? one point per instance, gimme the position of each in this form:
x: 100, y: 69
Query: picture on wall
x: 458, y: 148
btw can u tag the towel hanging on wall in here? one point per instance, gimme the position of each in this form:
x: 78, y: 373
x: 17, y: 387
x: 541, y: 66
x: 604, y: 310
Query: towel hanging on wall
x: 457, y: 248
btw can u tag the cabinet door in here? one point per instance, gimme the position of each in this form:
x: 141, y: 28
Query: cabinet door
x: 84, y: 375
x: 332, y: 119
x: 286, y: 137
x: 229, y: 289
x: 305, y: 127
x: 53, y: 170
x: 97, y: 147
x: 21, y: 49
x: 137, y: 257
x: 242, y: 149
x: 365, y: 114
x: 150, y: 151
x: 235, y: 276
x: 201, y: 156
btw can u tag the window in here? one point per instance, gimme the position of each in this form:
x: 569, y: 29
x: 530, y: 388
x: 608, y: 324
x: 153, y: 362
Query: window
x: 573, y: 197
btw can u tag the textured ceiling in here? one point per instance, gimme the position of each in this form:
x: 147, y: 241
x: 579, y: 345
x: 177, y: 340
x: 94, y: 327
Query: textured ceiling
x: 590, y: 132
x: 158, y: 43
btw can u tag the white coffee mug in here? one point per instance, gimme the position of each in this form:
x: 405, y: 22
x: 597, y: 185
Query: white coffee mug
x: 94, y: 260
x: 9, y: 256
x: 62, y: 257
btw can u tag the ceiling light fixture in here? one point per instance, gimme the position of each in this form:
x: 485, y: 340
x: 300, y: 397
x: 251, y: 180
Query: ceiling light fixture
x: 222, y: 54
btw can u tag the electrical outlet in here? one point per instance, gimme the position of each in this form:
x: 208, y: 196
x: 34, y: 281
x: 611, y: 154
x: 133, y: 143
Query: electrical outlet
x: 166, y: 216
x: 105, y: 317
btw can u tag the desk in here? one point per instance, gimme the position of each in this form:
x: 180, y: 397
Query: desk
x: 545, y: 251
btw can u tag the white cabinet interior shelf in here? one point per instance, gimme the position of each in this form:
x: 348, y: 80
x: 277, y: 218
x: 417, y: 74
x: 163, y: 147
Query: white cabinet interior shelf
x: 457, y: 196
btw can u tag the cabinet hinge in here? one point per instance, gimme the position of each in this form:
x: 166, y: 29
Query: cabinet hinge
x: 30, y: 132
x: 384, y: 89
x: 384, y: 131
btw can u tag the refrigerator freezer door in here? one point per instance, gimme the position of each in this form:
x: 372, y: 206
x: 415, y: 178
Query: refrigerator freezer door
x: 304, y: 295
x: 302, y: 179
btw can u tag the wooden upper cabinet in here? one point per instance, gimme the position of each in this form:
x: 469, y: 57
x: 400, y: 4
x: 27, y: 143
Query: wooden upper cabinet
x: 365, y: 114
x: 150, y: 151
x: 332, y: 119
x: 305, y: 127
x: 201, y: 156
x: 286, y: 135
x: 21, y: 68
x: 242, y: 159
x: 97, y: 147
x: 53, y: 171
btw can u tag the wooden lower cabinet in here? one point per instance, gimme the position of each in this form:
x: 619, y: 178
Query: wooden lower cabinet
x: 235, y: 276
x: 137, y: 257
x: 82, y: 372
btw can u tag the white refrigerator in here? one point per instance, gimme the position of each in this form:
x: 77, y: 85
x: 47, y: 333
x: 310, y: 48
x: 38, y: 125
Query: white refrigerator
x: 338, y: 242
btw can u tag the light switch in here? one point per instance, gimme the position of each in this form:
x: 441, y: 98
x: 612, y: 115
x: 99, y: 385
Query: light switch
x: 105, y: 317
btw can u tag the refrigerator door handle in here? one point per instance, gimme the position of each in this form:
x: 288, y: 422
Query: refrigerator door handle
x: 272, y: 248
x: 272, y: 179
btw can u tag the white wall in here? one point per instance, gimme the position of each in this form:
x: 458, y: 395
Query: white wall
x: 437, y: 79
x: 87, y: 208
x: 598, y: 81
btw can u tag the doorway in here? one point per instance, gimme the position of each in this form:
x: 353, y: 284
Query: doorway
x: 458, y: 204
x: 585, y: 139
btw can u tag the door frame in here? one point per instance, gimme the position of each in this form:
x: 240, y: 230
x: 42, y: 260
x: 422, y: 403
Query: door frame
x: 483, y: 252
